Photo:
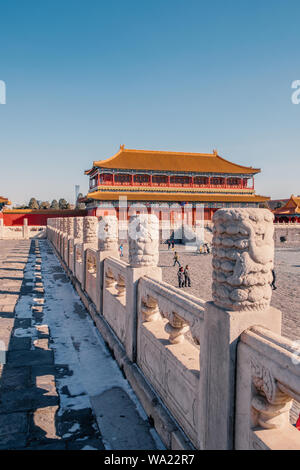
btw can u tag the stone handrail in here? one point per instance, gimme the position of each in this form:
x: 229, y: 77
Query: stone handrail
x: 168, y: 359
x: 91, y: 272
x: 114, y: 296
x: 233, y: 393
x: 181, y: 309
x: 115, y: 277
x: 268, y: 372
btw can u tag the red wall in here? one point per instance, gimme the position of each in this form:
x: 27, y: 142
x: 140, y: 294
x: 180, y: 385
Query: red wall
x: 12, y: 218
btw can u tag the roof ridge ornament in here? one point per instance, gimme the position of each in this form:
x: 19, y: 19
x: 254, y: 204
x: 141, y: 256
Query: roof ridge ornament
x: 122, y: 146
x: 215, y: 152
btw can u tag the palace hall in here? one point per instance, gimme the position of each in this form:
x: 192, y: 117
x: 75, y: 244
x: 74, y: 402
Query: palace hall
x: 170, y: 178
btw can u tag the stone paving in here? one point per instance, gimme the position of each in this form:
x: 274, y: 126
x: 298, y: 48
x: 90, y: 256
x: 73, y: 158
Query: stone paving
x: 59, y: 386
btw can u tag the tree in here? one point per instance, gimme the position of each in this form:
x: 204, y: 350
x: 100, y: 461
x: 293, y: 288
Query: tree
x: 33, y: 204
x: 54, y: 205
x: 280, y: 204
x: 80, y: 205
x: 44, y: 205
x: 63, y: 204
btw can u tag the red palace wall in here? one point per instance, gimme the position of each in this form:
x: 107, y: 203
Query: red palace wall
x: 208, y: 213
x: 16, y: 217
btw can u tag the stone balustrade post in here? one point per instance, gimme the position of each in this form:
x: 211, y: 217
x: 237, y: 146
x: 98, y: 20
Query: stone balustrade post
x: 243, y: 252
x: 89, y: 240
x: 78, y: 238
x: 107, y: 246
x: 143, y: 241
x: 78, y: 229
x: 90, y: 232
x: 70, y: 241
x: 61, y: 223
x: 64, y: 235
x: 25, y: 229
x: 56, y: 225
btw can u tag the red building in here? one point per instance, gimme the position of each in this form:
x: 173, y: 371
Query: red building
x: 4, y: 202
x: 290, y: 212
x: 147, y: 177
x: 36, y: 217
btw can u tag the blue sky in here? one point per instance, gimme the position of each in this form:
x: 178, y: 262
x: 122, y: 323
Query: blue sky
x: 84, y: 77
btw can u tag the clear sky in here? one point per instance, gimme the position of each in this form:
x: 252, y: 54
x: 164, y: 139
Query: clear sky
x: 85, y: 76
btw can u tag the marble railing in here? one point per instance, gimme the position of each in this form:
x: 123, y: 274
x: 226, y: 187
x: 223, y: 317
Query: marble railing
x: 21, y: 232
x: 91, y: 274
x: 114, y: 296
x: 223, y: 381
x: 268, y: 380
x: 167, y: 357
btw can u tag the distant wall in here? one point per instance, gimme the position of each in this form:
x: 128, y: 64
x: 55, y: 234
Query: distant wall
x: 36, y: 217
x: 291, y: 233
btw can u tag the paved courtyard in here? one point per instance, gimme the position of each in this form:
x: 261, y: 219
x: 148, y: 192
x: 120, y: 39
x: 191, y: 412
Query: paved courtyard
x: 60, y: 388
x: 287, y: 268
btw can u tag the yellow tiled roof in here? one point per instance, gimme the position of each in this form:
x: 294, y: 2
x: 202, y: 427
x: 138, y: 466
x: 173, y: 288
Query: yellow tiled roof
x: 4, y: 200
x: 170, y: 189
x: 130, y: 159
x: 175, y: 196
x: 291, y: 207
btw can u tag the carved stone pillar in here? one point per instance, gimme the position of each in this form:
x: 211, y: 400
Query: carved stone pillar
x: 78, y: 229
x: 90, y: 231
x: 107, y: 246
x: 143, y: 240
x: 70, y: 227
x: 108, y: 233
x: 243, y: 251
x: 243, y: 254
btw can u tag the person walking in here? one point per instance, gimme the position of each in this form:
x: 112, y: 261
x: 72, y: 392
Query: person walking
x: 180, y: 276
x: 187, y: 279
x: 121, y: 250
x: 176, y: 259
x: 173, y: 244
x: 273, y: 280
x: 169, y: 244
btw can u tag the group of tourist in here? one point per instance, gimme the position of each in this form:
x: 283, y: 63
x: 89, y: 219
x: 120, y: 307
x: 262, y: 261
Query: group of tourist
x: 183, y: 274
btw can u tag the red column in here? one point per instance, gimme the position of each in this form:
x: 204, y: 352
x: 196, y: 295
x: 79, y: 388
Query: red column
x: 113, y: 179
x: 168, y: 180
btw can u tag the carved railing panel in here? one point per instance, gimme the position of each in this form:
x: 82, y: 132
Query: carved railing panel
x: 91, y: 282
x: 268, y: 382
x: 114, y: 296
x: 167, y: 358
